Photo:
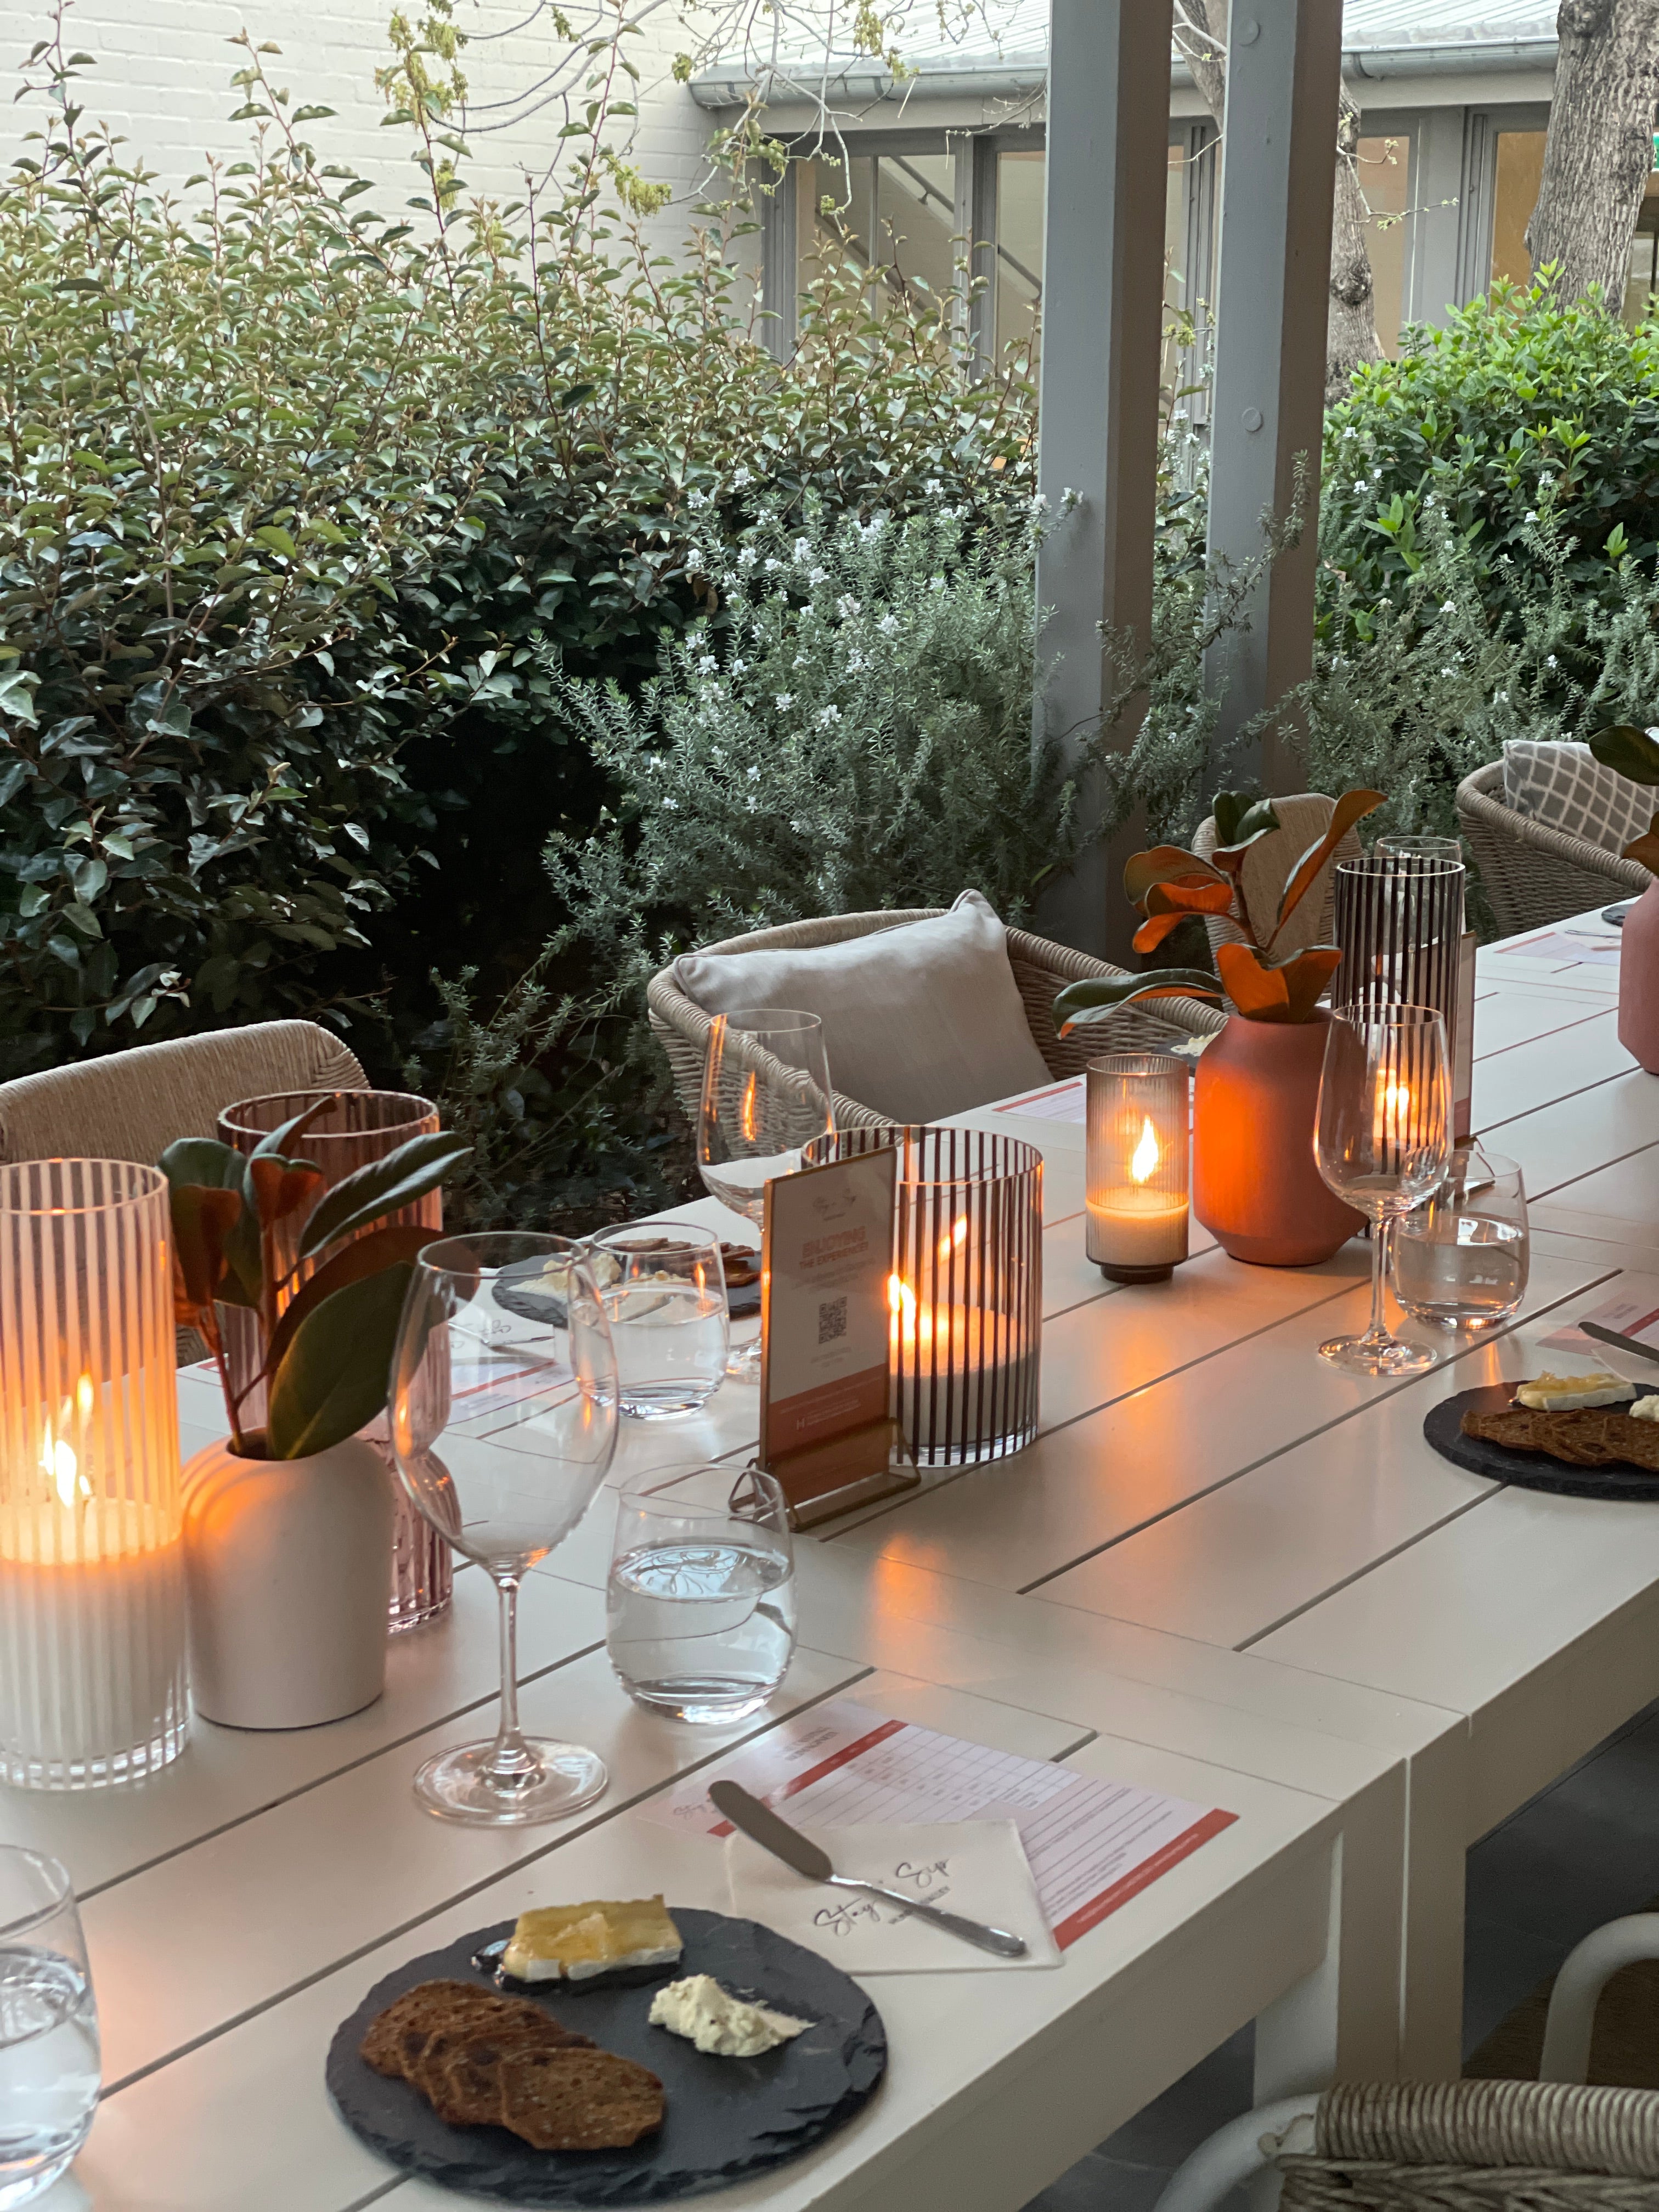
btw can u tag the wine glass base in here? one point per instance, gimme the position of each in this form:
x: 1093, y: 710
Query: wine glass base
x: 744, y: 1365
x: 459, y: 1785
x: 1362, y: 1355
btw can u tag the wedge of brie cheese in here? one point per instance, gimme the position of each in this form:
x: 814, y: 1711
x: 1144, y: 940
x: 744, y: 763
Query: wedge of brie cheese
x: 1565, y: 1394
x: 719, y: 2023
x: 574, y: 1942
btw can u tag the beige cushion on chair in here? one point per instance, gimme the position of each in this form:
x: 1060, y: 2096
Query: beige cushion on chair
x: 919, y: 1021
x: 130, y: 1105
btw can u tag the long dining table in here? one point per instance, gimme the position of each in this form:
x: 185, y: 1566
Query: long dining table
x: 1225, y: 1571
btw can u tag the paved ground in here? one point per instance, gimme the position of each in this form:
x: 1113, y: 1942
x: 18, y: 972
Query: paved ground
x: 1584, y: 1850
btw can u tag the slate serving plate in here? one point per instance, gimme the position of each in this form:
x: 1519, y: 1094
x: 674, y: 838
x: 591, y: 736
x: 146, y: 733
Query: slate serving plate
x: 726, y: 2118
x: 1526, y: 1470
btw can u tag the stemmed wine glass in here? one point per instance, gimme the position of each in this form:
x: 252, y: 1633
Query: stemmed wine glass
x: 1383, y: 1141
x: 503, y: 1417
x: 765, y: 1095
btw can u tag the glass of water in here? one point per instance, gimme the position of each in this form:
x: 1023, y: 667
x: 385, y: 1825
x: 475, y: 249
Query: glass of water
x: 49, y: 2058
x: 700, y: 1608
x: 1460, y: 1259
x: 663, y: 1288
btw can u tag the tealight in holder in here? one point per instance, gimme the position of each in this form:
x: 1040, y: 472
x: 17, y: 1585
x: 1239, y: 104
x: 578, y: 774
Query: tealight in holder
x: 1138, y: 1153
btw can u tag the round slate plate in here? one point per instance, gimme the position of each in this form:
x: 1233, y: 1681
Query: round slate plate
x: 1526, y: 1470
x: 726, y: 2118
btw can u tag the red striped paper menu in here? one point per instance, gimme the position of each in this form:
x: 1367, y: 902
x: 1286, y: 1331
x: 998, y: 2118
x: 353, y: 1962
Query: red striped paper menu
x: 1092, y: 1843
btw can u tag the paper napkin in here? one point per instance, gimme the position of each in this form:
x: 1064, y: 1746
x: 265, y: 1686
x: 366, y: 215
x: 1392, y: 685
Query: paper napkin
x: 974, y: 1867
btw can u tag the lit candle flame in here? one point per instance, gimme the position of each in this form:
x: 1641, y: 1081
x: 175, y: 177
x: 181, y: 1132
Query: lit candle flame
x: 1396, y: 1110
x: 1144, y: 1161
x: 954, y: 1239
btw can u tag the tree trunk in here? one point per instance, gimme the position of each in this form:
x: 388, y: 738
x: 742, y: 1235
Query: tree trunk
x: 1600, y: 147
x: 1351, y: 334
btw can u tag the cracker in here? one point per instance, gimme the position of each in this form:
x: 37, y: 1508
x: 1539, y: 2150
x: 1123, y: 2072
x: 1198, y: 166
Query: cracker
x: 566, y: 2100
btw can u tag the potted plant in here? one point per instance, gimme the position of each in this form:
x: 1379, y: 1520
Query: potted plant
x: 1255, y: 1186
x: 287, y: 1524
x: 1633, y: 753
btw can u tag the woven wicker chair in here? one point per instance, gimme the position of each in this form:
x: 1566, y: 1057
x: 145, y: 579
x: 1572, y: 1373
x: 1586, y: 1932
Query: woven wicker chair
x: 1534, y: 875
x: 1040, y: 969
x: 131, y: 1105
x: 1550, y: 2145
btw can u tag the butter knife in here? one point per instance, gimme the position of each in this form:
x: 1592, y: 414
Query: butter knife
x: 1624, y: 1343
x: 763, y: 1825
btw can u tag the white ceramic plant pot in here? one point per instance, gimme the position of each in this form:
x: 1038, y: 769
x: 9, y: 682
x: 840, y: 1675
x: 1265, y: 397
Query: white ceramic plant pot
x: 288, y: 1568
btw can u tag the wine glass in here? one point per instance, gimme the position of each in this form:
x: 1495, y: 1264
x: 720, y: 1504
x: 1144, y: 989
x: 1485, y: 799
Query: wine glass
x: 1382, y: 1142
x: 765, y: 1095
x: 503, y: 1415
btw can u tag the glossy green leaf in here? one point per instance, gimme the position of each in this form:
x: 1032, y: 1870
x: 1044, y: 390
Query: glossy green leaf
x: 383, y: 1187
x: 1629, y: 751
x: 334, y: 1378
x: 366, y: 1256
x: 1092, y: 1000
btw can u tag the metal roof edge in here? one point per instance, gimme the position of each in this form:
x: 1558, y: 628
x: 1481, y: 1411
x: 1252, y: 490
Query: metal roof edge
x: 1019, y: 80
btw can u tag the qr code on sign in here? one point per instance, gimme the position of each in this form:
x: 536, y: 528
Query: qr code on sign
x: 832, y: 1320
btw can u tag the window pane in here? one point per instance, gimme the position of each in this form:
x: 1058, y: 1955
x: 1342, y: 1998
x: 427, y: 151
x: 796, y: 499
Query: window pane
x: 1644, y: 255
x: 1020, y: 248
x: 833, y: 215
x: 1520, y: 165
x: 1384, y: 173
x: 915, y: 225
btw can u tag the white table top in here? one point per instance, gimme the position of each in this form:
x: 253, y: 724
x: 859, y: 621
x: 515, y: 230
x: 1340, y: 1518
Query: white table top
x: 1224, y: 1569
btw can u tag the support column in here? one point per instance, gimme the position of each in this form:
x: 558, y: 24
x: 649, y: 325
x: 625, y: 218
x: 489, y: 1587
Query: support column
x: 1278, y: 180
x: 1103, y: 292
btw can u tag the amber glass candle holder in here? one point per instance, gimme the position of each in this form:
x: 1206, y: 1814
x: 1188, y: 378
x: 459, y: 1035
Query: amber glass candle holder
x: 359, y: 1127
x: 92, y: 1595
x: 964, y: 1291
x: 1138, y: 1153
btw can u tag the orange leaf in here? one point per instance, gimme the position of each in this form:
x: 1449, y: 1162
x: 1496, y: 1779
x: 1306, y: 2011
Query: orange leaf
x: 1162, y: 864
x: 1645, y: 848
x: 1153, y: 932
x: 1257, y: 991
x: 281, y: 1188
x: 1306, y: 976
x: 1352, y: 807
x: 202, y: 1219
x: 1190, y: 895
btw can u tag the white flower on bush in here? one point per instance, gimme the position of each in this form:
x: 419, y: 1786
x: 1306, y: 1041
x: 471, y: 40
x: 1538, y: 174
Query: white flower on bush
x: 1448, y: 606
x: 699, y: 499
x: 847, y: 606
x: 1531, y: 514
x: 888, y: 624
x: 1360, y: 484
x: 747, y: 557
x: 773, y: 564
x: 828, y: 717
x: 786, y: 700
x: 672, y: 805
x: 1549, y: 660
x: 936, y: 583
x: 707, y: 664
x: 752, y: 805
x: 1500, y: 698
x: 740, y: 476
x: 873, y: 528
x: 817, y: 575
x: 856, y: 661
x: 753, y: 774
x: 803, y: 549
x: 739, y: 666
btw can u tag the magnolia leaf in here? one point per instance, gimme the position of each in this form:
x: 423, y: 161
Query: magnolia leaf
x: 384, y: 1247
x: 201, y: 1218
x: 1352, y: 807
x: 383, y: 1187
x: 1645, y: 848
x: 1153, y: 931
x: 1092, y: 1000
x: 204, y: 1162
x: 281, y: 1139
x: 1162, y: 864
x: 1306, y: 976
x: 1190, y: 895
x: 333, y: 1379
x: 281, y: 1188
x: 1286, y: 990
x: 1630, y: 751
x: 1241, y: 821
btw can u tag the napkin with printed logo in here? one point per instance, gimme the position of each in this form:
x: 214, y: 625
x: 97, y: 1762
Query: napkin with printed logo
x: 978, y: 1867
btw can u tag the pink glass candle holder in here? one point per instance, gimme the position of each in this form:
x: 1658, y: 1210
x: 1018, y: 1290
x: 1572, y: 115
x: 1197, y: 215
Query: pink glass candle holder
x: 92, y: 1594
x: 359, y: 1127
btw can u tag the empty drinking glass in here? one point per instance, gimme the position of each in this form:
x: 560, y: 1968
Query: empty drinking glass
x: 700, y: 1608
x: 49, y: 2057
x: 662, y: 1289
x: 1460, y: 1259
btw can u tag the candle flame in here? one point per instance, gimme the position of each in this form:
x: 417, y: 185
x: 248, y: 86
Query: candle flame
x: 901, y: 1300
x: 750, y: 1118
x: 1396, y: 1109
x: 1144, y: 1161
x: 954, y: 1239
x: 62, y: 1468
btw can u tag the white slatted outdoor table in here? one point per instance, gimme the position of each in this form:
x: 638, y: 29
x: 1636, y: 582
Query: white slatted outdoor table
x: 1224, y: 1570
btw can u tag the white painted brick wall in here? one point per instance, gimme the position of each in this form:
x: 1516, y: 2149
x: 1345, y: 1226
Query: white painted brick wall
x: 164, y: 66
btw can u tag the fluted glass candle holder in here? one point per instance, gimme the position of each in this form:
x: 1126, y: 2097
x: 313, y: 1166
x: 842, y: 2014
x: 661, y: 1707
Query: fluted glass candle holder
x: 92, y: 1594
x: 358, y: 1127
x: 964, y: 1291
x: 1138, y: 1155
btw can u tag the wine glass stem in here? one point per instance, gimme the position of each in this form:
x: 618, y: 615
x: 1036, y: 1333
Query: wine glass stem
x: 511, y: 1763
x: 1378, y: 1332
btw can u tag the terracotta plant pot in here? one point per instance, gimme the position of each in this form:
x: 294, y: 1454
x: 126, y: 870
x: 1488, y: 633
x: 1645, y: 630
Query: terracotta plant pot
x: 1638, y: 980
x: 287, y: 1569
x: 1255, y: 1186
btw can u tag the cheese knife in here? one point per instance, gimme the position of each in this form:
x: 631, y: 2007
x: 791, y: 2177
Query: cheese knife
x: 761, y: 1825
x: 1623, y: 1343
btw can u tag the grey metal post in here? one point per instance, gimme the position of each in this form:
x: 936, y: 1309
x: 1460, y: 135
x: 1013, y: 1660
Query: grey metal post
x: 1284, y: 71
x: 1102, y: 291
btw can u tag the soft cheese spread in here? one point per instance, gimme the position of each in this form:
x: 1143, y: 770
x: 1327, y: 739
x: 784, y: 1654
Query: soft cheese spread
x: 724, y: 2025
x: 1646, y: 1409
x: 574, y: 1942
x: 1565, y: 1394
